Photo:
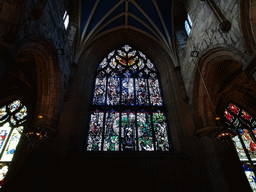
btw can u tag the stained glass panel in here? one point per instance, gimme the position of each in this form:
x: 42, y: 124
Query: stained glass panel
x: 131, y: 54
x: 12, y: 116
x: 126, y: 82
x: 233, y: 108
x: 2, y: 112
x: 22, y: 113
x: 145, y: 136
x: 121, y: 60
x: 160, y: 129
x: 99, y: 91
x: 155, y: 94
x: 239, y: 148
x: 246, y: 116
x: 141, y: 92
x: 248, y: 142
x: 4, y: 132
x: 12, y: 145
x: 128, y: 132
x: 251, y: 177
x: 103, y: 64
x: 14, y: 105
x: 3, y: 172
x: 95, y: 132
x: 244, y: 125
x: 113, y: 93
x: 127, y: 97
x: 111, y: 138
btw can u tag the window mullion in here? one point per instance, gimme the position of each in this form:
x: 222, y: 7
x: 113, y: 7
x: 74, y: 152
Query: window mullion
x: 245, y: 149
x: 135, y: 112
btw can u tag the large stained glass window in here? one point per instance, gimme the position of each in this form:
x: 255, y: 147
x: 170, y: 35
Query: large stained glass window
x: 244, y: 127
x: 12, y: 120
x: 127, y: 112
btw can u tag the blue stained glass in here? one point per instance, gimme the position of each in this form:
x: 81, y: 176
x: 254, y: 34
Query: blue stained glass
x: 155, y: 94
x: 14, y: 105
x: 99, y: 91
x: 127, y: 97
x: 113, y: 92
x: 111, y: 138
x: 142, y: 92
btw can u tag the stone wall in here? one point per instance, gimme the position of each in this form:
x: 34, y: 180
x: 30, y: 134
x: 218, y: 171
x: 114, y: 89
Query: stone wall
x: 206, y: 34
x: 49, y: 26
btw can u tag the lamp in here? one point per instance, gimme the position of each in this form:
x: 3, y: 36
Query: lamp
x: 223, y: 134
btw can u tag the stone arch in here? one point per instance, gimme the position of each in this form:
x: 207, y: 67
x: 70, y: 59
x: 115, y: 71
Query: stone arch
x: 38, y: 57
x: 82, y: 85
x: 248, y: 23
x: 221, y: 70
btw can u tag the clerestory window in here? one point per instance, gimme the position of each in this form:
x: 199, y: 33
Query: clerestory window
x: 127, y: 112
x: 188, y: 24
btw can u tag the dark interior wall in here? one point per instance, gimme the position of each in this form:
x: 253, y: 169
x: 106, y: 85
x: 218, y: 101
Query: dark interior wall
x: 48, y: 26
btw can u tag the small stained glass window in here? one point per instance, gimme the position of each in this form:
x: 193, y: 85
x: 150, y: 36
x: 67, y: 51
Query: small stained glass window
x: 12, y: 120
x: 127, y: 105
x: 244, y: 127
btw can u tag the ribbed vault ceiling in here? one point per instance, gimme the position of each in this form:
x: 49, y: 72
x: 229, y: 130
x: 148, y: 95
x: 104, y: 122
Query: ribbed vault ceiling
x: 151, y: 17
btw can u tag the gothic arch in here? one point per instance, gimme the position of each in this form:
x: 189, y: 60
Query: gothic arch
x: 83, y: 80
x: 248, y: 23
x: 39, y: 56
x: 221, y: 70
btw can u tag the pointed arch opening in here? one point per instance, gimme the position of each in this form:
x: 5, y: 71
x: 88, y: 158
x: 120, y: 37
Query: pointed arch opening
x: 127, y: 111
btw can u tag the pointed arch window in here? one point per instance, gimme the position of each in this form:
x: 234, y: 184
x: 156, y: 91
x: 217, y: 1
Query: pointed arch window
x: 127, y: 112
x: 13, y: 117
x: 244, y: 127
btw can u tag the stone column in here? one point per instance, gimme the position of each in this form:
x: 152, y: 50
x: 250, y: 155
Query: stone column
x: 213, y: 165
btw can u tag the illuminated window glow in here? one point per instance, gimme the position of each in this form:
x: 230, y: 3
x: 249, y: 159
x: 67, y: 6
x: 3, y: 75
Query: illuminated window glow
x: 127, y: 112
x: 12, y: 121
x: 244, y: 126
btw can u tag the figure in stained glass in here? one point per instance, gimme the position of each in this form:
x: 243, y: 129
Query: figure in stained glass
x: 113, y: 91
x: 160, y: 130
x: 128, y: 131
x: 145, y: 136
x: 126, y: 81
x: 111, y: 138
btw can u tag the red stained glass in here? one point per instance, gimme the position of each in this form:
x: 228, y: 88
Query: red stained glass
x: 233, y: 108
x: 246, y: 116
x: 228, y: 116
